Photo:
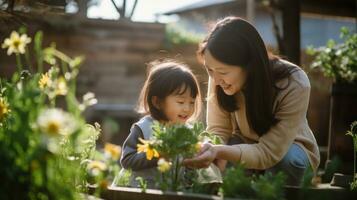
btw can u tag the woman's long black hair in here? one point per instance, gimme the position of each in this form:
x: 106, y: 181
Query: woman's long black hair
x: 234, y: 41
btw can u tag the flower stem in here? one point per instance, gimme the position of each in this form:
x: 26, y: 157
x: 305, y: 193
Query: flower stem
x: 28, y: 61
x: 354, y: 157
x: 18, y: 63
x: 176, y: 172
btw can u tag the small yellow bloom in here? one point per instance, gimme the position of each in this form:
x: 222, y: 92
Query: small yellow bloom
x: 4, y: 108
x: 198, y: 146
x: 16, y: 43
x: 45, y: 81
x: 96, y: 167
x: 147, y: 148
x: 103, y: 184
x: 112, y: 150
x: 61, y: 88
x: 163, y: 165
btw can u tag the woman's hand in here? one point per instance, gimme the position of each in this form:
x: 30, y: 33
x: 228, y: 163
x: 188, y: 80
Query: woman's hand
x: 204, y: 158
x: 221, y: 164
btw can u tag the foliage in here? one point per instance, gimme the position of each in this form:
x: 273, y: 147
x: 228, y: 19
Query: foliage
x: 353, y: 134
x: 237, y: 185
x: 331, y: 167
x: 173, y: 143
x: 44, y: 138
x: 123, y: 178
x: 177, y: 35
x: 338, y: 61
x: 103, y: 168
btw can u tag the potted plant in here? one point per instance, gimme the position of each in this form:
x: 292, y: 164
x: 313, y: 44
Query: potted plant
x: 339, y: 62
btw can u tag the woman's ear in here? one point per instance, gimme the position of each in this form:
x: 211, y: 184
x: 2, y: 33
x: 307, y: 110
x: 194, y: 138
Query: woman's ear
x: 156, y: 102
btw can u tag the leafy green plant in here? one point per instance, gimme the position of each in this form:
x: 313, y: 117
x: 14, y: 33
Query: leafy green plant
x: 237, y: 185
x: 142, y: 183
x: 173, y: 143
x: 353, y: 134
x: 176, y: 35
x: 103, y: 167
x: 44, y: 138
x: 338, y: 61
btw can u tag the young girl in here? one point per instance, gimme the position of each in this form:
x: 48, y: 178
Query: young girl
x: 170, y: 95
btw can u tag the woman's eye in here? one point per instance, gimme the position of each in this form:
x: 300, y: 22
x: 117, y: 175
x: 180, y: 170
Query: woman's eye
x: 180, y: 102
x: 222, y: 73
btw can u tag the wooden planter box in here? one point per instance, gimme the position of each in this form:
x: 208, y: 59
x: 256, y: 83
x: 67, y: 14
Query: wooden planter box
x: 121, y: 193
x: 323, y: 191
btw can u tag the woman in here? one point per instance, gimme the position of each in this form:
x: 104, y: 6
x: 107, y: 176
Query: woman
x: 256, y: 101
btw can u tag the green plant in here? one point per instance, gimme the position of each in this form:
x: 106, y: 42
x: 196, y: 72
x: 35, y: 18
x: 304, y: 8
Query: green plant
x: 173, y: 143
x: 44, y: 138
x: 177, y: 35
x: 237, y: 185
x: 338, y: 61
x: 353, y: 134
x: 103, y: 167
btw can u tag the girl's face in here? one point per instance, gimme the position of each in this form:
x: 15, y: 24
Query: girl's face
x: 178, y: 108
x: 230, y: 78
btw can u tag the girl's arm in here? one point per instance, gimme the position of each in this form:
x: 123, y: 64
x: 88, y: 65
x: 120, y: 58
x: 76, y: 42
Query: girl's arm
x: 130, y: 158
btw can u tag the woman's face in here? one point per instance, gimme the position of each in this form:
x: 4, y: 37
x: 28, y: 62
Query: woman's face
x: 231, y: 78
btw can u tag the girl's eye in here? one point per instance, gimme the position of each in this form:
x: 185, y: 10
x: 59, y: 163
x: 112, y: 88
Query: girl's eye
x: 222, y: 73
x: 192, y: 102
x: 180, y: 102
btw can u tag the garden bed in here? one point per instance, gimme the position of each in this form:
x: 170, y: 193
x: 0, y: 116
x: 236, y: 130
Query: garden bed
x: 322, y: 191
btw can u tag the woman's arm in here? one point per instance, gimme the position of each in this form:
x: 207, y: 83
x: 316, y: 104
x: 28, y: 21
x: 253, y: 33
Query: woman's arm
x: 130, y: 158
x: 210, y: 152
x: 271, y: 147
x: 218, y: 120
x: 291, y: 115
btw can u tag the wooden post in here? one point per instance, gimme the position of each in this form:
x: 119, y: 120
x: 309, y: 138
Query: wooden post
x: 291, y: 29
x: 251, y: 11
x: 82, y: 8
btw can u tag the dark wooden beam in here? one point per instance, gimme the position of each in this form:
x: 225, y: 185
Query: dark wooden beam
x: 343, y: 8
x: 291, y: 29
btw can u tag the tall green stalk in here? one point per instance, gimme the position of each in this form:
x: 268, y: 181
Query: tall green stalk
x: 18, y: 63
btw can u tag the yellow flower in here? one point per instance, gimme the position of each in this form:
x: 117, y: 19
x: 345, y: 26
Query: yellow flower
x: 198, y: 146
x: 61, y: 88
x: 147, y: 148
x: 112, y: 150
x: 16, y: 43
x: 4, y: 108
x: 163, y: 165
x: 45, y: 81
x: 96, y: 167
x: 103, y: 184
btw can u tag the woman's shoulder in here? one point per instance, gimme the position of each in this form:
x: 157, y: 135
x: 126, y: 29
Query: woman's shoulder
x: 298, y: 77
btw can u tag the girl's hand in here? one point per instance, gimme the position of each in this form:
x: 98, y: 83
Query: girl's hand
x: 204, y: 158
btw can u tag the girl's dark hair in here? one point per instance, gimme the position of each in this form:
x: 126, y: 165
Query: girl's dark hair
x: 234, y: 41
x: 165, y: 78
